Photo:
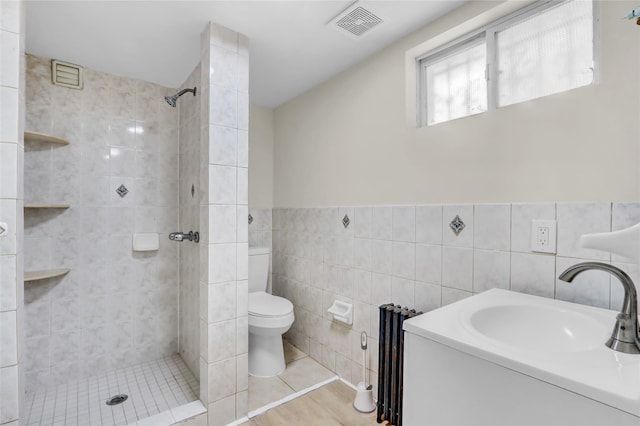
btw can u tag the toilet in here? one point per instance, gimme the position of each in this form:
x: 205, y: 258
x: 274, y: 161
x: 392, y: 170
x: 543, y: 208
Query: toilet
x: 269, y: 318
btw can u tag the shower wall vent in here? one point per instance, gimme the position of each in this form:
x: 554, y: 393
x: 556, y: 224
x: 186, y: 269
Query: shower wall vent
x: 66, y: 75
x: 355, y: 21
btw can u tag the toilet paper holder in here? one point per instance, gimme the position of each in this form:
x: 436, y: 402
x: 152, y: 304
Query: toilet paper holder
x: 342, y: 311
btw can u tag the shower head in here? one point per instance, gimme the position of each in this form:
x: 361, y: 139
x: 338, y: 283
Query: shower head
x: 171, y: 100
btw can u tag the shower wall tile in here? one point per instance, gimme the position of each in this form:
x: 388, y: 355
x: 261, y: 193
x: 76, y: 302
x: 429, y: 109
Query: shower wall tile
x: 8, y: 279
x: 224, y: 106
x: 120, y: 141
x: 9, y: 166
x: 243, y: 111
x: 434, y: 269
x: 10, y: 58
x: 12, y: 105
x: 9, y: 100
x: 243, y: 148
x: 224, y: 67
x: 8, y: 338
x: 189, y: 189
x: 222, y: 184
x: 224, y: 148
x: 9, y: 395
x: 243, y: 186
x: 222, y: 224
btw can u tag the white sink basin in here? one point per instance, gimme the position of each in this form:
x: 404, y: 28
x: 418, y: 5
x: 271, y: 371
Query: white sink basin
x: 534, y: 327
x: 557, y: 342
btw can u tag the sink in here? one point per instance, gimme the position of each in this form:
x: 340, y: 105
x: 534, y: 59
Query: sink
x: 549, y: 341
x: 529, y: 328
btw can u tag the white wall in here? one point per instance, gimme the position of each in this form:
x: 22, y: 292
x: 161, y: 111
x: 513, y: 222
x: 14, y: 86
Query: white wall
x: 261, y: 157
x: 347, y: 141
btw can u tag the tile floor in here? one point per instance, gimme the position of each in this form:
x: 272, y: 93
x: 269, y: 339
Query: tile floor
x: 301, y: 372
x: 153, y: 387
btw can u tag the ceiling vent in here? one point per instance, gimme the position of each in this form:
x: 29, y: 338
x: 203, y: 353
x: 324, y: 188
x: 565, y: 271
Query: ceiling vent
x: 355, y: 21
x: 66, y: 75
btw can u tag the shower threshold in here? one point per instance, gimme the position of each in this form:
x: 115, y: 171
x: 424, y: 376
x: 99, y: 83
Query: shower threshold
x: 155, y: 388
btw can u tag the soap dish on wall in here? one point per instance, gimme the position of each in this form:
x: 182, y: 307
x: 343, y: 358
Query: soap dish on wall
x: 342, y: 311
x: 148, y: 241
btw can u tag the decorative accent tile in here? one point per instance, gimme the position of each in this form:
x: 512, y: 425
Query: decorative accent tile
x: 457, y: 225
x: 122, y: 191
x: 250, y: 219
x: 346, y: 221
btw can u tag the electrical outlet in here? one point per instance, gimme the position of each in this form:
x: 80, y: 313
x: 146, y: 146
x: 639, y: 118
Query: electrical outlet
x: 543, y: 236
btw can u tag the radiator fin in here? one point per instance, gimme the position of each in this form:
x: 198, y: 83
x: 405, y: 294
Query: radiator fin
x: 391, y: 361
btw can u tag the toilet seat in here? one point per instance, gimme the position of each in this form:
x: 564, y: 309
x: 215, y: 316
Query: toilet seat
x: 265, y: 305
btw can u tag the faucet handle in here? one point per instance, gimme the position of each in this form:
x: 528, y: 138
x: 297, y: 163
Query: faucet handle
x: 176, y: 236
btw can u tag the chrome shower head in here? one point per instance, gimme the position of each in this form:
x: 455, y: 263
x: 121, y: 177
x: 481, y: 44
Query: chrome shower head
x: 172, y: 100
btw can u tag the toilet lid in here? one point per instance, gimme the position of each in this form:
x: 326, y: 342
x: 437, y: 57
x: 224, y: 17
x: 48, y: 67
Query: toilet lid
x: 263, y: 304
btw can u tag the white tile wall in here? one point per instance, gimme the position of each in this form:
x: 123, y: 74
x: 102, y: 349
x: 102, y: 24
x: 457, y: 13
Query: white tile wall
x: 189, y: 213
x: 116, y: 307
x: 409, y: 255
x: 12, y: 362
x: 224, y: 251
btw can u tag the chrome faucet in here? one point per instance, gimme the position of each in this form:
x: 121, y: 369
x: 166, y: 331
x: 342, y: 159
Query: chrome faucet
x: 181, y: 236
x: 626, y: 335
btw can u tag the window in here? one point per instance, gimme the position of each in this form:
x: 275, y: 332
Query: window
x: 539, y: 51
x: 457, y: 83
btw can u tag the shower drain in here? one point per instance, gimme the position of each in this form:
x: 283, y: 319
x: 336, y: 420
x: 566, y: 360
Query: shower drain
x: 117, y: 399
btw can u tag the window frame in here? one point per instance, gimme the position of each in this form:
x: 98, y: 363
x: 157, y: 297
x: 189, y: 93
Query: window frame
x: 488, y: 33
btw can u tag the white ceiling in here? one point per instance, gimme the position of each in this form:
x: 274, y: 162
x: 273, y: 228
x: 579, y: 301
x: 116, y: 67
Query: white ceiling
x: 292, y: 48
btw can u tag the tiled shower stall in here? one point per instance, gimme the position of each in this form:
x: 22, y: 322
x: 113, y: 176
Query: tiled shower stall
x: 115, y: 322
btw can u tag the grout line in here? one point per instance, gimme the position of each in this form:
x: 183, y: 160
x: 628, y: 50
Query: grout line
x: 291, y: 397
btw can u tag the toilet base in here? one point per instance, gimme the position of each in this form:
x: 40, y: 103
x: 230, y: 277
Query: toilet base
x: 266, y: 355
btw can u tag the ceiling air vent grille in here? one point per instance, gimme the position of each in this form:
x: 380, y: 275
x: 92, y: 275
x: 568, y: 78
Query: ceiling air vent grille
x: 66, y: 75
x: 355, y: 21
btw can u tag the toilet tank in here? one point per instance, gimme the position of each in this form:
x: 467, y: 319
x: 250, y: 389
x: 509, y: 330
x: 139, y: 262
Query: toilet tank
x: 258, y: 269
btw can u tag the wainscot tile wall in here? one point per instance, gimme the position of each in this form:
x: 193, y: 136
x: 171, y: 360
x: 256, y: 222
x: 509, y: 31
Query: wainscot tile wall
x: 12, y: 83
x: 409, y: 255
x: 260, y: 234
x: 115, y: 307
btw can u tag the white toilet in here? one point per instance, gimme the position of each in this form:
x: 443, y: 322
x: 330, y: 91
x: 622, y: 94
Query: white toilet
x: 269, y: 318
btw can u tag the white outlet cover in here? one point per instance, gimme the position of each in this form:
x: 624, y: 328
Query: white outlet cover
x: 550, y: 247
